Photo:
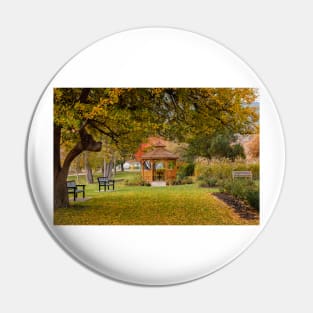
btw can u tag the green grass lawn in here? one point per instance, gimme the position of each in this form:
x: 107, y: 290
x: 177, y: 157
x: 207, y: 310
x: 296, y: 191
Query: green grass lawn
x: 136, y: 205
x: 119, y: 175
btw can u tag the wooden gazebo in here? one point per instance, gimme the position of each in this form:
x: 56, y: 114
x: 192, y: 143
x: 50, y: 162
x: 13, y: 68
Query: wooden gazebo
x: 158, y: 164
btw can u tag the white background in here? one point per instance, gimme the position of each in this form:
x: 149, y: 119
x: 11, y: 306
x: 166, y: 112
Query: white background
x: 275, y: 273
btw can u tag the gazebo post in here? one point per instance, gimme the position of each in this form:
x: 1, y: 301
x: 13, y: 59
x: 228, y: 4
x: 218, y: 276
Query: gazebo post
x: 152, y: 169
x: 142, y: 169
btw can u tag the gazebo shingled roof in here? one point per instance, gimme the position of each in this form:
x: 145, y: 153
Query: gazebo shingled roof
x: 159, y: 153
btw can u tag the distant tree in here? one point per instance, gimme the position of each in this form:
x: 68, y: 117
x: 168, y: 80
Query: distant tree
x: 221, y: 145
x: 254, y: 147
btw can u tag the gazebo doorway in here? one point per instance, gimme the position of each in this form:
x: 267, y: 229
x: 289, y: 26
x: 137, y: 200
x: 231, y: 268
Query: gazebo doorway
x: 159, y: 171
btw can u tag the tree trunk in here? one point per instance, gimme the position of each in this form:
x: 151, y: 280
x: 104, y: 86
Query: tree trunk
x: 60, y: 190
x: 77, y: 169
x: 114, y: 165
x: 60, y: 174
x: 110, y: 168
x: 86, y: 143
x: 122, y: 166
x: 107, y: 168
x: 56, y: 151
x: 89, y: 176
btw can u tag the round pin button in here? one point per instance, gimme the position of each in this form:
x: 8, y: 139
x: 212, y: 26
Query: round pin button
x: 155, y: 156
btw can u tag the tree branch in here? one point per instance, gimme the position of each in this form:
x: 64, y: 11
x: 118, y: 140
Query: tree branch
x: 87, y: 143
x: 109, y: 134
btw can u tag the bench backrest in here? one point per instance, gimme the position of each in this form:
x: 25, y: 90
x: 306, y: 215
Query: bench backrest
x: 103, y: 179
x: 242, y: 174
x: 71, y: 184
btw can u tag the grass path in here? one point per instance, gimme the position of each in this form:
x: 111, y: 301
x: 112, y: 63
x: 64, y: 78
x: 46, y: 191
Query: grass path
x: 132, y: 205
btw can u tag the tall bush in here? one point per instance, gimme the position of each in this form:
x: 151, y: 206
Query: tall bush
x: 222, y: 169
x: 186, y: 170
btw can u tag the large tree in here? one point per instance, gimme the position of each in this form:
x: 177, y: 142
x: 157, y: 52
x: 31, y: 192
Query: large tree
x: 85, y: 117
x: 123, y: 117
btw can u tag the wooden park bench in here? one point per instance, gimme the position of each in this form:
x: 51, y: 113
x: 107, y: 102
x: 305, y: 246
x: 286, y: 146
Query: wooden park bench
x: 73, y: 188
x: 105, y: 182
x: 242, y: 174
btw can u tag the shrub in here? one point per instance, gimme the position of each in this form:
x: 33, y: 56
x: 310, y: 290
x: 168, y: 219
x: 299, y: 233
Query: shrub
x: 187, y: 180
x: 253, y: 197
x: 186, y: 170
x: 180, y: 181
x: 210, y: 182
x: 170, y: 182
x: 202, y: 184
x: 177, y: 181
x: 136, y: 181
x: 243, y: 189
